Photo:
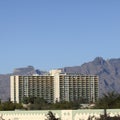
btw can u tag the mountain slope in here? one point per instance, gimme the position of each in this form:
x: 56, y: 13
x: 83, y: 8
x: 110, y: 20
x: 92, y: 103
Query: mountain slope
x: 107, y: 70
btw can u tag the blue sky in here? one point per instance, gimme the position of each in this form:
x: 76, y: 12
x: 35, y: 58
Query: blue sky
x: 50, y: 34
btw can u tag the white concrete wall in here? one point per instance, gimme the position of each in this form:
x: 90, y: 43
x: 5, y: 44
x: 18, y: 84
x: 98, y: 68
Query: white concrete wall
x: 63, y: 114
x: 56, y: 88
x: 12, y: 88
x: 17, y: 89
x: 56, y: 74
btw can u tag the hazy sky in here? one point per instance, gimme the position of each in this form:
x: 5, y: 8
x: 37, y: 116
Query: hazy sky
x: 50, y: 34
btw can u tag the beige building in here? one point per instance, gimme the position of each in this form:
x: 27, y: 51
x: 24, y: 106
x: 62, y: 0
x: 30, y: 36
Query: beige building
x: 56, y: 86
x: 37, y: 86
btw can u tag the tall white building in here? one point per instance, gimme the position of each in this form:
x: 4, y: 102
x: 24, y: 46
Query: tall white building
x: 56, y: 86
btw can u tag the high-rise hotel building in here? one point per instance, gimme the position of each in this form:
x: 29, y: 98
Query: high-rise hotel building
x: 55, y: 86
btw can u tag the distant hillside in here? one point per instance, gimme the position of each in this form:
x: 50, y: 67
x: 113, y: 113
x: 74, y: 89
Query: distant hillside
x: 107, y: 70
x: 4, y: 87
x: 5, y: 80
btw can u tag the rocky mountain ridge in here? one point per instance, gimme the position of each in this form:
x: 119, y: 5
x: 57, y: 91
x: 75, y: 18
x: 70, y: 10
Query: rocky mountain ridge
x: 107, y: 70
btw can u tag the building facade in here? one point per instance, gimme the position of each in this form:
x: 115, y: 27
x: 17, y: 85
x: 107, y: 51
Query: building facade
x: 35, y: 86
x: 78, y: 87
x: 55, y: 86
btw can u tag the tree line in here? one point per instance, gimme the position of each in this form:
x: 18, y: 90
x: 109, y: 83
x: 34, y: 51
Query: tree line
x: 110, y: 100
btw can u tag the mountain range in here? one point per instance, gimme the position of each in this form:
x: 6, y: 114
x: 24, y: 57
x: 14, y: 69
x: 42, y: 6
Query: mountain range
x: 107, y: 70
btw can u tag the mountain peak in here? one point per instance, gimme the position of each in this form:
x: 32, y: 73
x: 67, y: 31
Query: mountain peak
x: 99, y: 61
x: 107, y: 70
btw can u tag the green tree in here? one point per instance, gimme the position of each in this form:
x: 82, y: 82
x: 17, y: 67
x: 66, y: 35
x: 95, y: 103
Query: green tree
x: 108, y: 101
x: 25, y: 100
x: 10, y: 106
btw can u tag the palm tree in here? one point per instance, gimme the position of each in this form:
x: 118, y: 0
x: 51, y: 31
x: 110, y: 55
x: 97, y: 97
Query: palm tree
x: 51, y: 116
